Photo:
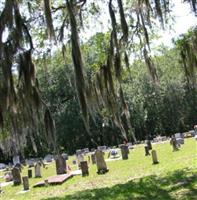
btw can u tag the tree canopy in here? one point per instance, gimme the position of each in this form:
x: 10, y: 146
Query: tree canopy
x: 104, y: 69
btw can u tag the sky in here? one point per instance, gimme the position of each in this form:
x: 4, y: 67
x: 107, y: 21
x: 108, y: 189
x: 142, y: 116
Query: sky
x: 184, y: 19
x: 183, y: 16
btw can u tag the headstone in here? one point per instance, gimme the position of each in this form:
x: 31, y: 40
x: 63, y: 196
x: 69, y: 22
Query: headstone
x: 16, y: 176
x: 84, y: 168
x: 16, y: 160
x: 100, y: 162
x: 79, y: 151
x: 25, y: 183
x: 174, y: 143
x: 30, y: 163
x: 29, y: 173
x: 149, y: 145
x: 80, y: 158
x: 195, y: 129
x: 60, y: 165
x: 2, y: 166
x: 19, y: 166
x: 8, y: 176
x: 38, y: 170
x: 154, y: 157
x: 102, y: 148
x: 48, y: 158
x: 146, y: 151
x: 65, y: 156
x: 124, y: 151
x: 93, y: 158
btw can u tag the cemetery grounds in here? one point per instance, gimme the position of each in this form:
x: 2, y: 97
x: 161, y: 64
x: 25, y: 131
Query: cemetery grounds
x: 174, y: 178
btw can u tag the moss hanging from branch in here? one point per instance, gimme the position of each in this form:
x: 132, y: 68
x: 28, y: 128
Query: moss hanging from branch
x: 78, y: 65
x: 187, y: 46
x: 49, y: 20
x: 124, y: 25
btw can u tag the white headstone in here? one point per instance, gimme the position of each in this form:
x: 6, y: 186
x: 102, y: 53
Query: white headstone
x: 16, y: 160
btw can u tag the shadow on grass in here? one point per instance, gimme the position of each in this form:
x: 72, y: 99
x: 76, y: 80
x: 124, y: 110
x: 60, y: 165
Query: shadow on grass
x: 180, y: 183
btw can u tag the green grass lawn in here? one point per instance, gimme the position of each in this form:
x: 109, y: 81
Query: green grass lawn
x: 175, y: 177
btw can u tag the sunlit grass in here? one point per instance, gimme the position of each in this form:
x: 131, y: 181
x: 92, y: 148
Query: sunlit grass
x: 175, y: 177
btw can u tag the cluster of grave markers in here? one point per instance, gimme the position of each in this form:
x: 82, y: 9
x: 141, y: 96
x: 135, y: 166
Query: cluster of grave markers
x: 96, y: 157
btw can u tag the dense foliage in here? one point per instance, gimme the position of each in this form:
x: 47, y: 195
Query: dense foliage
x: 96, y: 90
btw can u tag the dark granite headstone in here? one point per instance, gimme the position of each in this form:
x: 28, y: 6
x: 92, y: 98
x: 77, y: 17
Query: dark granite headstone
x: 84, y: 168
x: 16, y: 176
x: 146, y: 151
x: 93, y: 158
x: 124, y: 151
x: 25, y: 183
x: 29, y: 173
x: 60, y: 165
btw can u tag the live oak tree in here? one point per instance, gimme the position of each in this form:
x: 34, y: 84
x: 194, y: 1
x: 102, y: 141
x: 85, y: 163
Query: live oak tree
x: 20, y: 99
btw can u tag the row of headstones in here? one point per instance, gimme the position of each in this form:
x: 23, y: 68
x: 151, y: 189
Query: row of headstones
x: 17, y: 179
x: 98, y: 158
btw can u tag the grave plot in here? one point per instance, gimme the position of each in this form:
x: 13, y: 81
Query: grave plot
x: 54, y: 180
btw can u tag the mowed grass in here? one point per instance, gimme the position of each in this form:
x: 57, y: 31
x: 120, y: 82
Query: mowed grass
x: 175, y: 177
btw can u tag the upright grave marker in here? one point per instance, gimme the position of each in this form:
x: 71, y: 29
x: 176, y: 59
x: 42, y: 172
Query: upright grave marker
x: 25, y: 183
x: 124, y: 151
x: 93, y: 158
x: 146, y: 151
x: 29, y: 173
x: 60, y: 165
x: 84, y: 168
x: 100, y: 162
x: 154, y: 157
x: 38, y: 170
x: 16, y: 176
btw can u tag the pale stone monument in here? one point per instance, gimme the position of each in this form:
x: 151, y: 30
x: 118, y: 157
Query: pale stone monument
x: 100, y: 162
x: 16, y: 160
x: 154, y: 157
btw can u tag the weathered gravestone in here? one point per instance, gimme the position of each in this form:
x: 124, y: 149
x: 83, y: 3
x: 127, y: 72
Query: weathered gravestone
x: 60, y: 165
x: 100, y: 162
x: 29, y: 173
x: 174, y: 143
x: 154, y: 157
x: 16, y: 160
x: 16, y: 176
x: 65, y: 156
x: 25, y: 183
x: 38, y: 170
x: 124, y: 151
x: 80, y: 158
x: 48, y: 158
x: 148, y: 144
x: 146, y: 151
x: 8, y: 176
x: 84, y: 168
x: 93, y: 158
x: 19, y: 166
